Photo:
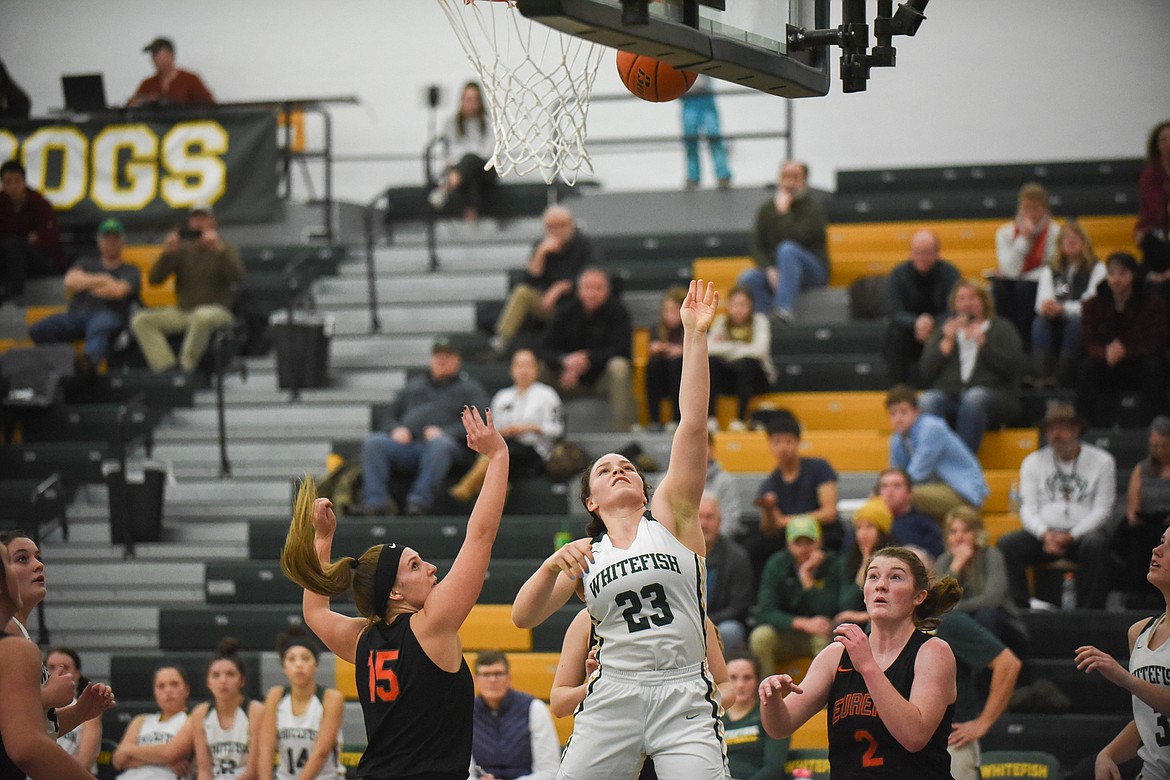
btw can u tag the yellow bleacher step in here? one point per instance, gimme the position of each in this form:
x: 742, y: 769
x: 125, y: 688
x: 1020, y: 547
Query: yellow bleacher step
x: 830, y: 411
x: 1007, y: 447
x: 34, y: 314
x: 999, y: 482
x: 490, y: 627
x: 153, y: 295
x: 1000, y: 523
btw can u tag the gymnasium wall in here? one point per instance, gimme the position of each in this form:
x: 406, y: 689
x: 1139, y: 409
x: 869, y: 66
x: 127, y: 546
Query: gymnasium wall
x: 985, y: 81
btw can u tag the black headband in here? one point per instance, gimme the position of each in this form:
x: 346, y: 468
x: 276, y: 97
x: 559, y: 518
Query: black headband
x: 385, y: 575
x: 300, y: 641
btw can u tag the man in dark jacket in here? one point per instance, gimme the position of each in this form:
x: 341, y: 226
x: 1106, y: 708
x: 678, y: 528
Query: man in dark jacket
x: 730, y: 587
x: 586, y: 349
x: 1123, y: 333
x: 422, y: 434
x: 30, y: 237
x: 919, y: 290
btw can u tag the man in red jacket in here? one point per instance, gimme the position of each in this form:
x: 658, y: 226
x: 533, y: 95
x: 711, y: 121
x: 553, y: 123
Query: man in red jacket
x: 30, y: 238
x: 169, y: 86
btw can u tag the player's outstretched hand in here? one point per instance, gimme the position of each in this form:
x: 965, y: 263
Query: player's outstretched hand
x: 698, y: 308
x: 777, y: 685
x: 1090, y: 659
x: 573, y: 559
x: 482, y: 435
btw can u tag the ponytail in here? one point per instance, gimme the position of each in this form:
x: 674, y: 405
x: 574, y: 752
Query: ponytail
x: 941, y: 598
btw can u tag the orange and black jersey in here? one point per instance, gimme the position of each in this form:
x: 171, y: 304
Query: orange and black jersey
x: 418, y: 717
x: 860, y: 745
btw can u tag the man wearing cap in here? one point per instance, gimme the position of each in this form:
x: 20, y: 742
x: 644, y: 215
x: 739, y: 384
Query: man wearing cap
x: 101, y: 291
x: 169, y: 86
x: 1123, y: 335
x: 422, y: 435
x: 1066, y: 501
x: 944, y: 471
x: 205, y: 268
x: 802, y: 589
x: 30, y: 236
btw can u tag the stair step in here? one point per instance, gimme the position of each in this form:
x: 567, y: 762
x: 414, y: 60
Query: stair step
x: 467, y: 287
x: 492, y: 256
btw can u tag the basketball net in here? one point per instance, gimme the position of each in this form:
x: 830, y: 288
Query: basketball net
x: 537, y: 81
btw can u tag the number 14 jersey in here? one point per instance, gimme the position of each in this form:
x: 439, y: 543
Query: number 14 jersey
x: 648, y: 602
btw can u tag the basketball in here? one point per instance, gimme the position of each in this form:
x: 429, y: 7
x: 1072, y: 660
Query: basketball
x: 652, y: 80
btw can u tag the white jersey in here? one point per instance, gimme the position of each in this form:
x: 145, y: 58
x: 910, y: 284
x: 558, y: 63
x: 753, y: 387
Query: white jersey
x: 295, y: 737
x: 71, y: 743
x: 648, y: 602
x: 51, y: 726
x: 228, y: 747
x: 1152, y: 666
x: 538, y: 405
x: 155, y: 732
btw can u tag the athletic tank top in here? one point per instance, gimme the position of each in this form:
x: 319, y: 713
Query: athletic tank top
x: 8, y: 770
x: 648, y: 602
x: 51, y: 714
x: 1152, y: 666
x: 418, y: 716
x: 155, y: 732
x: 296, y: 735
x: 860, y: 745
x: 71, y: 743
x: 228, y: 747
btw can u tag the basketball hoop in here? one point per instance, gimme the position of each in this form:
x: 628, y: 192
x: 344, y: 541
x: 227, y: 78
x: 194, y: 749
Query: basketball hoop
x: 537, y: 81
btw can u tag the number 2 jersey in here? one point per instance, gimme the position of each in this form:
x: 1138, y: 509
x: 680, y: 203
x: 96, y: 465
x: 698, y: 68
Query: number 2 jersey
x: 861, y: 746
x: 1152, y: 666
x: 648, y: 603
x: 418, y: 717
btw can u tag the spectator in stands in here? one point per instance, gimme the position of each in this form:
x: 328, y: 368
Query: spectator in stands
x: 740, y: 349
x: 944, y: 472
x: 797, y: 486
x: 1141, y: 738
x: 980, y: 569
x: 471, y: 142
x: 700, y: 118
x: 529, y: 416
x: 205, y: 268
x: 556, y: 261
x: 421, y: 435
x: 977, y: 651
x: 788, y: 245
x: 586, y: 348
x: 102, y: 290
x: 1023, y: 247
x: 1124, y: 334
x: 730, y: 587
x: 30, y: 236
x: 14, y: 102
x: 1154, y: 183
x: 664, y: 364
x: 1066, y: 500
x: 84, y: 742
x: 1147, y: 515
x: 1068, y: 281
x: 919, y: 292
x: 169, y: 86
x: 871, y: 532
x: 513, y: 734
x: 972, y: 365
x: 146, y: 738
x: 802, y: 589
x: 25, y: 746
x: 722, y: 486
x: 751, y: 753
x: 908, y: 526
x: 1155, y: 244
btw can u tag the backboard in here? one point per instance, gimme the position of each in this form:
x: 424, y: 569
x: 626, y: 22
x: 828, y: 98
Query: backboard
x: 743, y: 41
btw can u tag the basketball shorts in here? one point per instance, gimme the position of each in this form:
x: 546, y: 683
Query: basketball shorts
x: 672, y: 716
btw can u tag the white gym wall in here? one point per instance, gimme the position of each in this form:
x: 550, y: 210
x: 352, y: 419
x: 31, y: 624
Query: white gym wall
x: 986, y: 81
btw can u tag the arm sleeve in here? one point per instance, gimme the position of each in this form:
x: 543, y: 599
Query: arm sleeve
x: 233, y: 266
x: 1074, y: 307
x: 928, y: 450
x: 775, y: 757
x: 552, y: 419
x: 163, y: 267
x: 393, y: 416
x: 1010, y: 250
x: 762, y: 250
x: 736, y: 577
x: 1093, y: 336
x: 898, y: 456
x: 1103, y: 497
x: 1151, y: 201
x: 551, y: 350
x: 619, y: 338
x: 1030, y: 477
x: 994, y: 576
x: 1003, y: 353
x: 546, y: 747
x: 930, y: 365
x: 1045, y: 288
x: 200, y: 94
x: 896, y: 298
x: 769, y: 601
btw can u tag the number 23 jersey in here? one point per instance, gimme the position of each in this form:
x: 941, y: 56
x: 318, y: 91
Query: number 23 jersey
x: 648, y: 602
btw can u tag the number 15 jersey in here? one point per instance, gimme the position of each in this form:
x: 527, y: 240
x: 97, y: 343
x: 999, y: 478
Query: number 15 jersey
x: 648, y: 603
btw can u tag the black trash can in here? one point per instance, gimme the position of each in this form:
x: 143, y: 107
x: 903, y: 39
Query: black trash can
x: 136, y: 499
x: 302, y: 348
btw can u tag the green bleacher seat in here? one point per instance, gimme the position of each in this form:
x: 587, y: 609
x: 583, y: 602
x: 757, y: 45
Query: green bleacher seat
x: 33, y: 504
x: 256, y: 627
x: 77, y: 462
x: 165, y: 391
x: 812, y: 373
x: 549, y: 636
x: 626, y: 250
x: 830, y: 339
x: 132, y: 674
x: 1068, y: 737
x: 317, y: 260
x: 1091, y: 692
x: 407, y: 204
x: 435, y: 537
x: 87, y: 422
x: 1121, y: 171
x: 1063, y: 633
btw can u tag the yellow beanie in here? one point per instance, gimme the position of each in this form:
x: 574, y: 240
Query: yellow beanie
x: 874, y: 511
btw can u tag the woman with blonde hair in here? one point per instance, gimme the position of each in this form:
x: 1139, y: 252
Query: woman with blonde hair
x: 979, y: 567
x: 1071, y: 278
x: 414, y: 686
x: 740, y: 346
x: 972, y: 366
x: 891, y: 693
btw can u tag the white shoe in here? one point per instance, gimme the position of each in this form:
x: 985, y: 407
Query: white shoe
x: 437, y: 198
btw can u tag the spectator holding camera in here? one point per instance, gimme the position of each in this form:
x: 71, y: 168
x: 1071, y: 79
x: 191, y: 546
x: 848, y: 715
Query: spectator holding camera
x: 205, y: 268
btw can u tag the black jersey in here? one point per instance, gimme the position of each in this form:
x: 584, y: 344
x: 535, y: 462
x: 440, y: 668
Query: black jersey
x: 8, y: 769
x: 418, y: 717
x: 860, y: 745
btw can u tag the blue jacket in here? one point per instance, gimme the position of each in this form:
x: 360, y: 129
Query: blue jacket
x: 930, y: 452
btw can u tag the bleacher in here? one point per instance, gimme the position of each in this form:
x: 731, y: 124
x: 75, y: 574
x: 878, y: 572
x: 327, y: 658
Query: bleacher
x: 831, y: 375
